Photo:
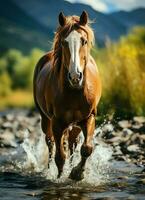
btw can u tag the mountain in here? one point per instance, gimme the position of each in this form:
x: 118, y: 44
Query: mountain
x: 46, y: 12
x: 31, y: 23
x: 19, y: 30
x: 131, y: 18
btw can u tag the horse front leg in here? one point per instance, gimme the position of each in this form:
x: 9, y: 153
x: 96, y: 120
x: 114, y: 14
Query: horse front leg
x: 88, y: 127
x: 58, y: 128
x: 46, y: 126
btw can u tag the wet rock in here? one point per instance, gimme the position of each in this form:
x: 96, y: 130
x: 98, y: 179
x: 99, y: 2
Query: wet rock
x: 133, y: 148
x: 117, y: 150
x: 131, y: 197
x: 6, y: 125
x: 142, y: 137
x: 123, y: 177
x: 10, y: 117
x: 141, y: 181
x: 115, y: 140
x: 133, y: 139
x: 139, y: 119
x: 108, y: 128
x: 138, y: 128
x: 7, y: 140
x: 124, y: 124
x: 127, y: 131
x: 20, y: 135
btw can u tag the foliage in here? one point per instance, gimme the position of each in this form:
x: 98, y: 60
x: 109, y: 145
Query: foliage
x: 122, y: 68
x: 16, y: 71
x: 18, y: 68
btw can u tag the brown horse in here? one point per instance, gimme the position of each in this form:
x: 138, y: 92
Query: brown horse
x: 67, y: 89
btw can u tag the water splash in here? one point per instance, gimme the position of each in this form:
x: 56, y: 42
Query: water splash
x: 36, y: 151
x: 32, y: 156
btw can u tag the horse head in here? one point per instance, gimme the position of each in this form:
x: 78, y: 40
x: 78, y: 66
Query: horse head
x: 75, y: 46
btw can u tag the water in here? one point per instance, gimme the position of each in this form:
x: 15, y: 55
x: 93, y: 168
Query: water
x: 24, y: 174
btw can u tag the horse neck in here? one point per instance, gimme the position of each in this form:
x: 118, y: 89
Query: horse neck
x: 62, y: 78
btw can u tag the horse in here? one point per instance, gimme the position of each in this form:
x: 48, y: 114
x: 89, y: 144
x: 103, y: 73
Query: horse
x: 67, y: 90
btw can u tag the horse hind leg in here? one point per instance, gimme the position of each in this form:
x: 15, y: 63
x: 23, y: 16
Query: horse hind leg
x: 88, y: 127
x: 73, y: 139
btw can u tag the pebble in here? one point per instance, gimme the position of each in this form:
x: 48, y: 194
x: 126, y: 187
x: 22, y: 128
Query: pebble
x: 141, y: 181
x: 108, y: 128
x: 6, y: 125
x: 131, y: 197
x: 8, y: 139
x: 127, y: 131
x: 124, y: 124
x: 133, y: 148
x: 139, y: 119
x: 123, y: 177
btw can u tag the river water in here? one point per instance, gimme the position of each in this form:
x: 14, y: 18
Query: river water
x: 24, y: 174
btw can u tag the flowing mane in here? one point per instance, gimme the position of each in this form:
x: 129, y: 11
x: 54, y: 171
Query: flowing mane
x: 72, y: 23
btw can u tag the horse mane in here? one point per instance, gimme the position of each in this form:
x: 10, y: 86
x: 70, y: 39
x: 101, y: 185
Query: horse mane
x: 72, y: 23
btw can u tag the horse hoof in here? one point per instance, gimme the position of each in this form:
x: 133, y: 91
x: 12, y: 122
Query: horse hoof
x: 76, y: 174
x: 59, y: 174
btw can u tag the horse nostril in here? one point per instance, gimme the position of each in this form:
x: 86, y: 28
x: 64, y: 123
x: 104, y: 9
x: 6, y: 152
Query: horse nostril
x: 69, y: 76
x: 80, y: 75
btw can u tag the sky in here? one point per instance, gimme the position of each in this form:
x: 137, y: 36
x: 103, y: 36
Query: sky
x: 112, y: 5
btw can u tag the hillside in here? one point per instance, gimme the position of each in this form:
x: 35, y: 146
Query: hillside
x: 131, y: 18
x: 31, y: 23
x: 46, y: 13
x: 19, y: 30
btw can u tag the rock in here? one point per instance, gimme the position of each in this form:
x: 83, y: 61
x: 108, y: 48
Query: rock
x: 134, y: 148
x: 127, y: 131
x: 142, y: 137
x: 141, y: 181
x: 20, y: 135
x: 139, y: 119
x: 6, y: 125
x: 117, y: 150
x: 116, y: 139
x: 123, y: 177
x: 7, y: 139
x: 108, y: 128
x: 131, y: 197
x: 10, y: 117
x: 124, y: 124
x: 138, y: 128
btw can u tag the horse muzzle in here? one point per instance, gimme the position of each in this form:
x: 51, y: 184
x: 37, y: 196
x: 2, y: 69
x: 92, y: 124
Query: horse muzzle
x: 75, y: 79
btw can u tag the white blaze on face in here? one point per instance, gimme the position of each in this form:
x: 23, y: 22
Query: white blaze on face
x: 73, y: 40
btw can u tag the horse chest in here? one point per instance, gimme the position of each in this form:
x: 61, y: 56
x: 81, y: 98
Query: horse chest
x: 73, y: 116
x: 74, y: 109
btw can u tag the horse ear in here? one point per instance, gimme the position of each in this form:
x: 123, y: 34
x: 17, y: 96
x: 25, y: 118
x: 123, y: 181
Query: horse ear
x: 62, y: 19
x: 84, y: 18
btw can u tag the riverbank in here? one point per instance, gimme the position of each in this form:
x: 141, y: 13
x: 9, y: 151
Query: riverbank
x: 126, y: 137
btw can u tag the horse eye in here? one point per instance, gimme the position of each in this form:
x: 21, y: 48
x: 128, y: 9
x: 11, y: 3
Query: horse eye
x: 83, y: 41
